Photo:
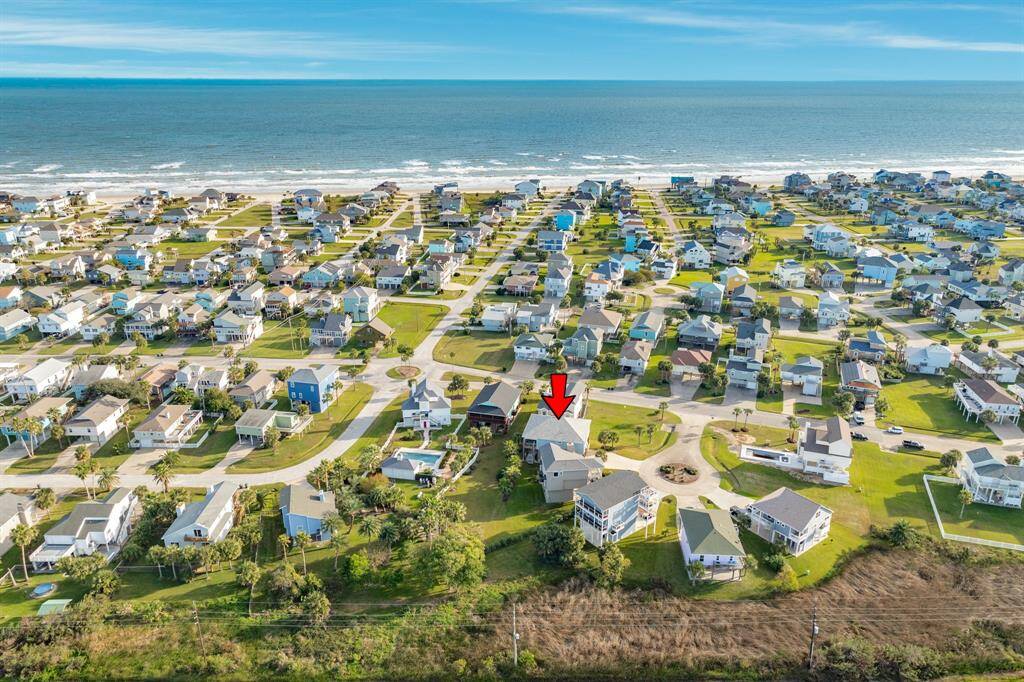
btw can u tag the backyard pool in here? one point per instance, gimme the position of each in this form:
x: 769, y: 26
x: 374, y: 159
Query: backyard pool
x: 43, y: 589
x: 430, y: 458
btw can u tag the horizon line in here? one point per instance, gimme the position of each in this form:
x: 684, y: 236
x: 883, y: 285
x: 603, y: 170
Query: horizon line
x: 499, y: 79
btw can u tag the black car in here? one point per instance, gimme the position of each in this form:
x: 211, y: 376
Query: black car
x: 913, y: 445
x: 857, y: 435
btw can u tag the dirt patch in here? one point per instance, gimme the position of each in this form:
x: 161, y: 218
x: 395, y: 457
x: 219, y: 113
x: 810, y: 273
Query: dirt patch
x: 406, y: 371
x: 918, y: 597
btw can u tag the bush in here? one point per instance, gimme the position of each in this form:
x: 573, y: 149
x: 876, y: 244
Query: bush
x: 774, y: 562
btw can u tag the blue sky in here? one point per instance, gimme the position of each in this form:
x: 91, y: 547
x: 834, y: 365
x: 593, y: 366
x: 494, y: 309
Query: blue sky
x: 516, y: 39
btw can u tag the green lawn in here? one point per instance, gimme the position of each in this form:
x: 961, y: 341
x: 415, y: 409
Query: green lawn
x: 489, y: 351
x: 115, y: 451
x: 326, y: 427
x: 11, y: 346
x: 986, y: 521
x: 622, y: 419
x: 793, y: 347
x: 378, y: 430
x: 411, y: 322
x: 922, y: 403
x: 277, y: 341
x: 254, y: 216
x: 63, y: 347
x: 213, y: 450
x: 185, y: 249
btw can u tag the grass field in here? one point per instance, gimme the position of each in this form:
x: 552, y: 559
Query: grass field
x: 985, y: 521
x: 277, y: 341
x: 489, y: 351
x: 326, y: 427
x: 212, y: 450
x: 254, y: 216
x: 411, y: 322
x: 922, y: 403
x: 622, y: 419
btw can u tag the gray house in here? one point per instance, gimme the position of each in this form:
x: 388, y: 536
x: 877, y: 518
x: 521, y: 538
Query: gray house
x: 568, y: 433
x: 615, y: 507
x: 583, y: 346
x: 700, y: 332
x: 562, y: 472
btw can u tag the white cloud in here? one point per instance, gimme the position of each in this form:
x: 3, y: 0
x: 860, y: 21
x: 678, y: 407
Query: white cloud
x: 765, y: 30
x: 55, y: 31
x: 19, y: 69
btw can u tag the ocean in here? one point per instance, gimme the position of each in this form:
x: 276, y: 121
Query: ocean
x: 264, y: 136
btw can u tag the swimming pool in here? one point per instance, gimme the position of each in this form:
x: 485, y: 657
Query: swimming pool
x: 429, y: 457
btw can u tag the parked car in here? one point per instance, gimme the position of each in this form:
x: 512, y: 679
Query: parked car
x: 857, y: 435
x: 858, y: 419
x: 913, y: 445
x: 895, y: 429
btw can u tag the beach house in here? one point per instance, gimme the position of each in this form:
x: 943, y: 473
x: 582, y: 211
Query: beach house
x: 790, y: 519
x: 89, y: 528
x: 710, y: 538
x: 990, y: 480
x: 304, y: 509
x: 206, y: 521
x: 614, y: 507
x: 313, y: 386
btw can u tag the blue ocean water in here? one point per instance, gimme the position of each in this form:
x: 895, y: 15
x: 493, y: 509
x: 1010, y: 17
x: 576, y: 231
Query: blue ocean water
x: 259, y: 135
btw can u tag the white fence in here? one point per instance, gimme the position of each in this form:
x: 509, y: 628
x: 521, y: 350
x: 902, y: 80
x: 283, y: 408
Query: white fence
x: 954, y: 536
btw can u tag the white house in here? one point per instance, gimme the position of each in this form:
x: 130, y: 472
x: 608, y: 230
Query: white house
x: 49, y: 376
x: 932, y: 359
x: 206, y: 521
x: 709, y: 537
x: 426, y: 408
x: 791, y: 519
x: 64, y: 321
x: 167, y: 426
x: 15, y: 510
x: 90, y: 528
x: 826, y: 452
x: 789, y: 274
x: 990, y: 480
x: 832, y: 311
x: 615, y: 507
x: 99, y: 420
x: 977, y: 396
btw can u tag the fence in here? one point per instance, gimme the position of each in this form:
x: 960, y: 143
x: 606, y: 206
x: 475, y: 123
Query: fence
x: 953, y: 536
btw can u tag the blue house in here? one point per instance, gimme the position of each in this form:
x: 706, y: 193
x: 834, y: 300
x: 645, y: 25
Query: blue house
x: 125, y: 301
x: 783, y: 218
x: 312, y: 386
x: 134, y: 259
x: 878, y: 269
x: 627, y: 261
x: 758, y: 206
x: 565, y: 219
x: 552, y: 241
x: 647, y: 326
x: 323, y: 275
x: 303, y: 509
x: 614, y: 507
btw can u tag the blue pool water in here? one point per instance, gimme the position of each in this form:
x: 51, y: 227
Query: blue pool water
x: 425, y: 457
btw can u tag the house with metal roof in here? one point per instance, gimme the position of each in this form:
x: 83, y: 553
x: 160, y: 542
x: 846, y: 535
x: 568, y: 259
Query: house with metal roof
x: 568, y: 432
x: 790, y: 519
x: 561, y: 472
x: 206, y: 521
x: 304, y: 508
x: 990, y: 480
x: 615, y: 507
x: 426, y: 408
x: 710, y: 538
x: 495, y: 406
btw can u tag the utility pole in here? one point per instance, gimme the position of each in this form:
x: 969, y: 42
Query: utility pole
x: 814, y: 635
x: 515, y: 639
x: 199, y: 629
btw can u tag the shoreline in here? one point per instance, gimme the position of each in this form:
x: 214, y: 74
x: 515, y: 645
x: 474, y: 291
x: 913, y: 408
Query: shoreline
x: 467, y: 182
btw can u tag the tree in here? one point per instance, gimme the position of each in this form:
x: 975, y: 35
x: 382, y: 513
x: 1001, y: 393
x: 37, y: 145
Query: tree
x: 559, y: 544
x: 162, y: 473
x: 45, y: 498
x: 272, y: 438
x: 949, y: 459
x: 458, y: 385
x: 638, y: 429
x: 108, y: 478
x: 966, y: 498
x: 736, y: 412
x: 316, y: 607
x: 1013, y: 460
x: 987, y: 416
x: 82, y: 453
x: 22, y: 340
x: 456, y: 558
x: 24, y: 535
x: 284, y: 541
x: 843, y: 401
x: 248, y: 575
x: 348, y: 506
x: 608, y: 438
x: 84, y: 470
x: 902, y: 534
x: 613, y: 565
x: 881, y: 405
x: 302, y: 540
x: 338, y: 542
x: 793, y: 424
x: 369, y: 526
x: 662, y: 407
x: 664, y: 370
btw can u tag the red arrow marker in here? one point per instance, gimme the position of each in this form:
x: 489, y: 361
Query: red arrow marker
x: 558, y: 402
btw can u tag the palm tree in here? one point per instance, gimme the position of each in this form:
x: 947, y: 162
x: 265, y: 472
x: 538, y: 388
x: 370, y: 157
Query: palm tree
x: 966, y: 498
x: 285, y: 543
x: 248, y: 575
x: 662, y: 406
x: 23, y: 535
x: 369, y: 526
x: 162, y: 473
x: 793, y: 424
x: 639, y: 429
x: 302, y: 540
x: 736, y: 412
x: 44, y: 498
x: 82, y: 453
x: 338, y: 543
x: 83, y: 470
x: 746, y: 416
x: 389, y: 534
x: 108, y: 478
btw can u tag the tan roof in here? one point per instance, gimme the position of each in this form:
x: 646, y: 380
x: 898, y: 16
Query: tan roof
x: 163, y: 418
x: 100, y: 410
x: 40, y: 407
